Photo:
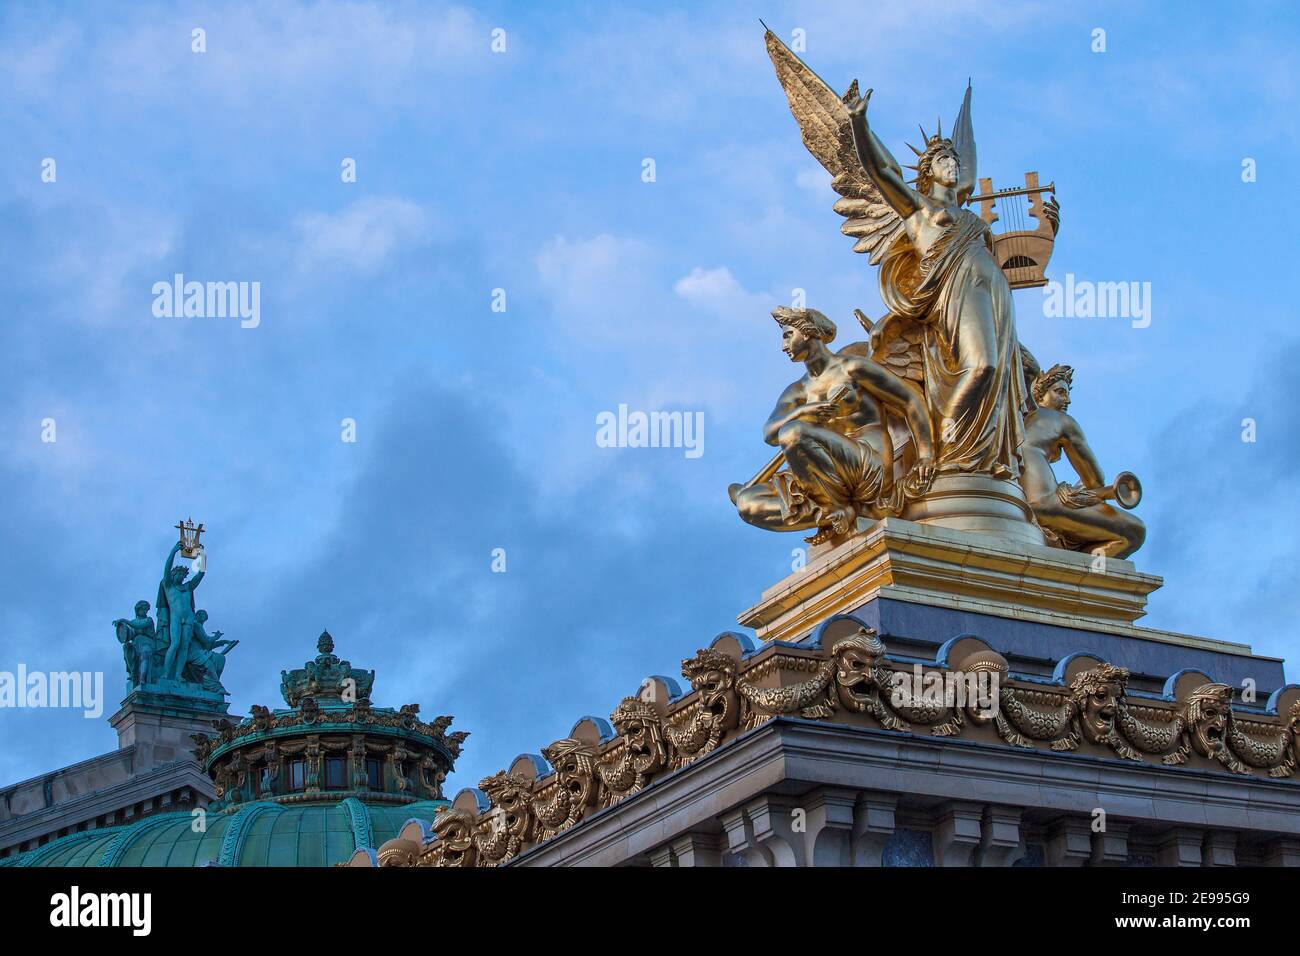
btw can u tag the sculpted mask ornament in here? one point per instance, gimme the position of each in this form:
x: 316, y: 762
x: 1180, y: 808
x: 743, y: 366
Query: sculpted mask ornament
x: 1208, y: 713
x: 698, y: 729
x: 261, y: 718
x: 1097, y: 694
x: 887, y: 694
x: 1291, y: 744
x: 574, y: 789
x: 502, y: 832
x: 850, y: 678
x: 455, y: 845
x: 1200, y: 723
x: 856, y: 678
x: 399, y: 853
x: 858, y: 671
x: 1088, y: 710
x: 642, y: 755
x: 853, y: 676
x: 856, y: 659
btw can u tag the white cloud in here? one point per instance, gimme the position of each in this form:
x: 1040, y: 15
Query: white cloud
x: 596, y: 282
x: 719, y: 292
x: 566, y: 264
x: 101, y: 254
x: 362, y: 236
x: 708, y: 285
x: 318, y: 55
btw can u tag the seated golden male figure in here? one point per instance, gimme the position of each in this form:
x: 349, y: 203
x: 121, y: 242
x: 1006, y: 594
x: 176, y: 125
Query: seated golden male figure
x: 1075, y: 516
x: 830, y: 426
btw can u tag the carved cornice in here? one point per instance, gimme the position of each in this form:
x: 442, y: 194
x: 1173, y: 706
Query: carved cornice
x: 1086, y: 708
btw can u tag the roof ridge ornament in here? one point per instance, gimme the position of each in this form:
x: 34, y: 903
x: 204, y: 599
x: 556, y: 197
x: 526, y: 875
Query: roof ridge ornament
x: 327, y: 676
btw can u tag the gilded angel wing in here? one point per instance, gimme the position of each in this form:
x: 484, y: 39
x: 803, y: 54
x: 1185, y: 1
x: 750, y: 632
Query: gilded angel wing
x: 896, y: 343
x: 824, y: 124
x: 963, y: 140
x: 899, y: 351
x: 823, y: 121
x: 1029, y: 368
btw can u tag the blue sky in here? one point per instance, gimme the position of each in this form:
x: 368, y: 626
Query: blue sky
x: 476, y: 429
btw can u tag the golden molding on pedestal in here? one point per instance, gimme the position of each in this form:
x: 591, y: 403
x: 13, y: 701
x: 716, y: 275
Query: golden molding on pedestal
x: 941, y: 567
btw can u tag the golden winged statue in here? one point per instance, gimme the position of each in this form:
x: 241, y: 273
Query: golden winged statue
x: 950, y: 328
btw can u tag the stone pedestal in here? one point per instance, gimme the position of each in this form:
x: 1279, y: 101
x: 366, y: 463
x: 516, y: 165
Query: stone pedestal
x: 993, y: 507
x: 158, y: 723
x: 942, y: 567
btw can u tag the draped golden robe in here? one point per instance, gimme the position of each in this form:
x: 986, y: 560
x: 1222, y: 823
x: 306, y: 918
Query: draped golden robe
x: 956, y: 281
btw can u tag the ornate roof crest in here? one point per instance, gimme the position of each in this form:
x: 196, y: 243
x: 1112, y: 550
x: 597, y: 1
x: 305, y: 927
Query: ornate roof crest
x: 326, y: 676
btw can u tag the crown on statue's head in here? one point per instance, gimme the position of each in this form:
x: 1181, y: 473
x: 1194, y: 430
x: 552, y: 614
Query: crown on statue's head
x: 934, y: 145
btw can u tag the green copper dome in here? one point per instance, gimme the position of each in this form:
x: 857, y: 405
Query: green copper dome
x: 254, y: 834
x: 306, y: 785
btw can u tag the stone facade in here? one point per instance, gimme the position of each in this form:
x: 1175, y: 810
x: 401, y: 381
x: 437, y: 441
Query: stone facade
x: 152, y: 771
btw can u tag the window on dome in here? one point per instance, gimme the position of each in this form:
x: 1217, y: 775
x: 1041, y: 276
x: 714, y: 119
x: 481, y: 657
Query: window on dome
x: 297, y: 775
x: 374, y: 773
x: 335, y: 773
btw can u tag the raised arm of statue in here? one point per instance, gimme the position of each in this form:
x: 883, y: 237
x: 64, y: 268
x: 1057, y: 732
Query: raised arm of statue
x: 171, y: 561
x: 878, y: 163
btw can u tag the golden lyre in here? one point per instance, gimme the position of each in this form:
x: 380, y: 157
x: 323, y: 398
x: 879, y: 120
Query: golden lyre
x: 1021, y: 250
x: 190, y: 544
